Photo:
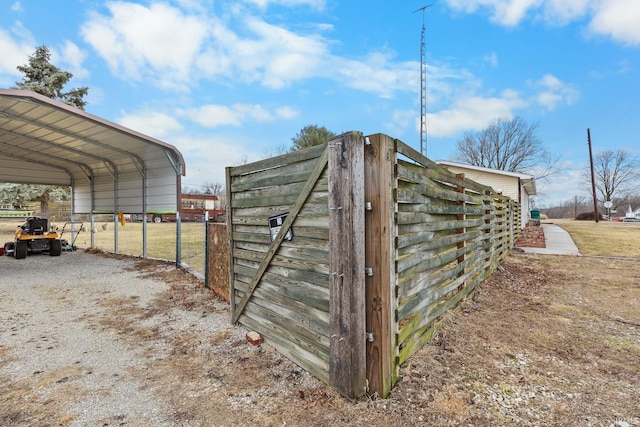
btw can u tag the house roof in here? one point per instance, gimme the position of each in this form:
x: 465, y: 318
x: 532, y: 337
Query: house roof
x: 528, y: 181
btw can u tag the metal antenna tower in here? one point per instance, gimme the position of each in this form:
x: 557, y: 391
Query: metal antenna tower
x: 423, y: 86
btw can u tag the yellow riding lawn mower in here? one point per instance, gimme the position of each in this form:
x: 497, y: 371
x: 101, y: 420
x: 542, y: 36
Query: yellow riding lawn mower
x: 34, y: 236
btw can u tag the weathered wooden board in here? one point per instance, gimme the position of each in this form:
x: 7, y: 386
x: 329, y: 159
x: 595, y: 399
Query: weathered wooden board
x: 427, y: 238
x: 346, y: 246
x: 450, y: 233
x: 281, y: 288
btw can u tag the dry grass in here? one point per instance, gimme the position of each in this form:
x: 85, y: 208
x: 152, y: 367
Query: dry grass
x: 549, y: 341
x: 161, y: 239
x: 546, y: 341
x: 604, y: 238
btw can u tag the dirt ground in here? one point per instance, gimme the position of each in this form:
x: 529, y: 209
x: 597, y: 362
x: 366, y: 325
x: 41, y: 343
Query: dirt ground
x: 546, y: 341
x: 531, y: 237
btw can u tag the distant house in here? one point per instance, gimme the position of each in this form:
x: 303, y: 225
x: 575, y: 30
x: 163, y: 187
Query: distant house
x: 632, y: 215
x: 518, y: 186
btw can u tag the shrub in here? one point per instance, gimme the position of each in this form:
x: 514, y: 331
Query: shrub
x: 587, y: 216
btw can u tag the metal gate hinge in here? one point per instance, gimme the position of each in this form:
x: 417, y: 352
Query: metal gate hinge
x: 369, y: 336
x: 368, y: 206
x: 368, y: 271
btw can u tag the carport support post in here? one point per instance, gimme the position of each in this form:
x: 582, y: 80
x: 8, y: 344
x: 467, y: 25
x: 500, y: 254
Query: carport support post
x: 115, y: 230
x: 347, y: 362
x: 178, y: 239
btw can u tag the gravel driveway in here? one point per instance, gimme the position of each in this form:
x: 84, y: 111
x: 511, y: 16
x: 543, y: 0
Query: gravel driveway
x: 49, y: 336
x: 94, y: 340
x: 56, y: 339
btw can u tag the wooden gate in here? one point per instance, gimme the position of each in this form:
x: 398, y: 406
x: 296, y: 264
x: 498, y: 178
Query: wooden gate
x: 296, y: 225
x: 344, y: 256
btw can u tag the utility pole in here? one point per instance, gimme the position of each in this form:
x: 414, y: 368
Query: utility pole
x: 593, y: 179
x: 423, y: 86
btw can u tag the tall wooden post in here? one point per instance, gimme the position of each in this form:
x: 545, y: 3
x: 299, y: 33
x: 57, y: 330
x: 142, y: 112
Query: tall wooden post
x: 347, y: 364
x: 379, y: 156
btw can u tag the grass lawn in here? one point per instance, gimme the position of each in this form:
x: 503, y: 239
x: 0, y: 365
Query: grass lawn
x: 604, y: 238
x: 161, y: 239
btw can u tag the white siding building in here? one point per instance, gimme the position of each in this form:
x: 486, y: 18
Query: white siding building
x: 518, y: 186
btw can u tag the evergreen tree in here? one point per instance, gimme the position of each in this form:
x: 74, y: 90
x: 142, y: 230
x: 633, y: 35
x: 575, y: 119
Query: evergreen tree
x: 311, y: 135
x: 42, y: 77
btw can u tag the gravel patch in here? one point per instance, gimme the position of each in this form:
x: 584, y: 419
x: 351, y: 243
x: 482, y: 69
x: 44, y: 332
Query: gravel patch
x: 50, y: 336
x: 94, y: 340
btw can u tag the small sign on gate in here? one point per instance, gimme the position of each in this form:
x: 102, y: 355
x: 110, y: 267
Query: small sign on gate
x: 275, y: 223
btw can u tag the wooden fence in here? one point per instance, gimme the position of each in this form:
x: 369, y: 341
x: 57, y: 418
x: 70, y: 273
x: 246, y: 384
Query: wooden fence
x: 344, y: 256
x: 216, y: 268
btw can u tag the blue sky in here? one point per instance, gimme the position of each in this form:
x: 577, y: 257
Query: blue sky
x: 228, y: 81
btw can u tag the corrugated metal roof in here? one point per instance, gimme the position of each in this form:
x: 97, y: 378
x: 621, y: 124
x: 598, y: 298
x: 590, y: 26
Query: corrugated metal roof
x: 111, y: 168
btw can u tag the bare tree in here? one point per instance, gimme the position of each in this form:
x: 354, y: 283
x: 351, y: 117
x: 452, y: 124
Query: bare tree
x: 279, y: 150
x: 508, y: 145
x: 617, y: 173
x: 215, y: 188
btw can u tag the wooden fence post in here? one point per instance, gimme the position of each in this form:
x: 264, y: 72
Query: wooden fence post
x: 379, y: 256
x: 512, y: 239
x: 461, y: 230
x: 347, y: 363
x: 488, y: 227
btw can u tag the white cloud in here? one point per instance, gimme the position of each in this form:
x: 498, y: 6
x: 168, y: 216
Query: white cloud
x: 71, y: 55
x: 17, y: 7
x: 263, y: 4
x: 473, y: 113
x: 135, y: 37
x: 559, y: 188
x: 207, y: 157
x: 552, y: 92
x: 505, y: 12
x: 491, y: 59
x: 377, y: 73
x: 15, y: 49
x: 198, y: 5
x: 562, y: 12
x: 618, y: 19
x: 287, y: 113
x: 173, y: 49
x: 277, y: 56
x: 400, y: 121
x: 221, y: 115
x: 152, y: 123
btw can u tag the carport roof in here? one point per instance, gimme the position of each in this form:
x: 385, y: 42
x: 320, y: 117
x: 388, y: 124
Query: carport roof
x: 43, y: 141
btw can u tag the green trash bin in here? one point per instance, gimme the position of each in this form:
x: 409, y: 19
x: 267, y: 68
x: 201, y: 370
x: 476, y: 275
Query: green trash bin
x: 535, y: 214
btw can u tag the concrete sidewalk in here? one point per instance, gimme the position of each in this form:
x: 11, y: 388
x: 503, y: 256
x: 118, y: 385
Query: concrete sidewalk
x: 557, y: 240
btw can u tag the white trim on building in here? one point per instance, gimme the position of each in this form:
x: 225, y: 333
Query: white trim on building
x: 518, y: 186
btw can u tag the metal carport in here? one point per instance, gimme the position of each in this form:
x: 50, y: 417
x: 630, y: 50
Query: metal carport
x: 109, y: 168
